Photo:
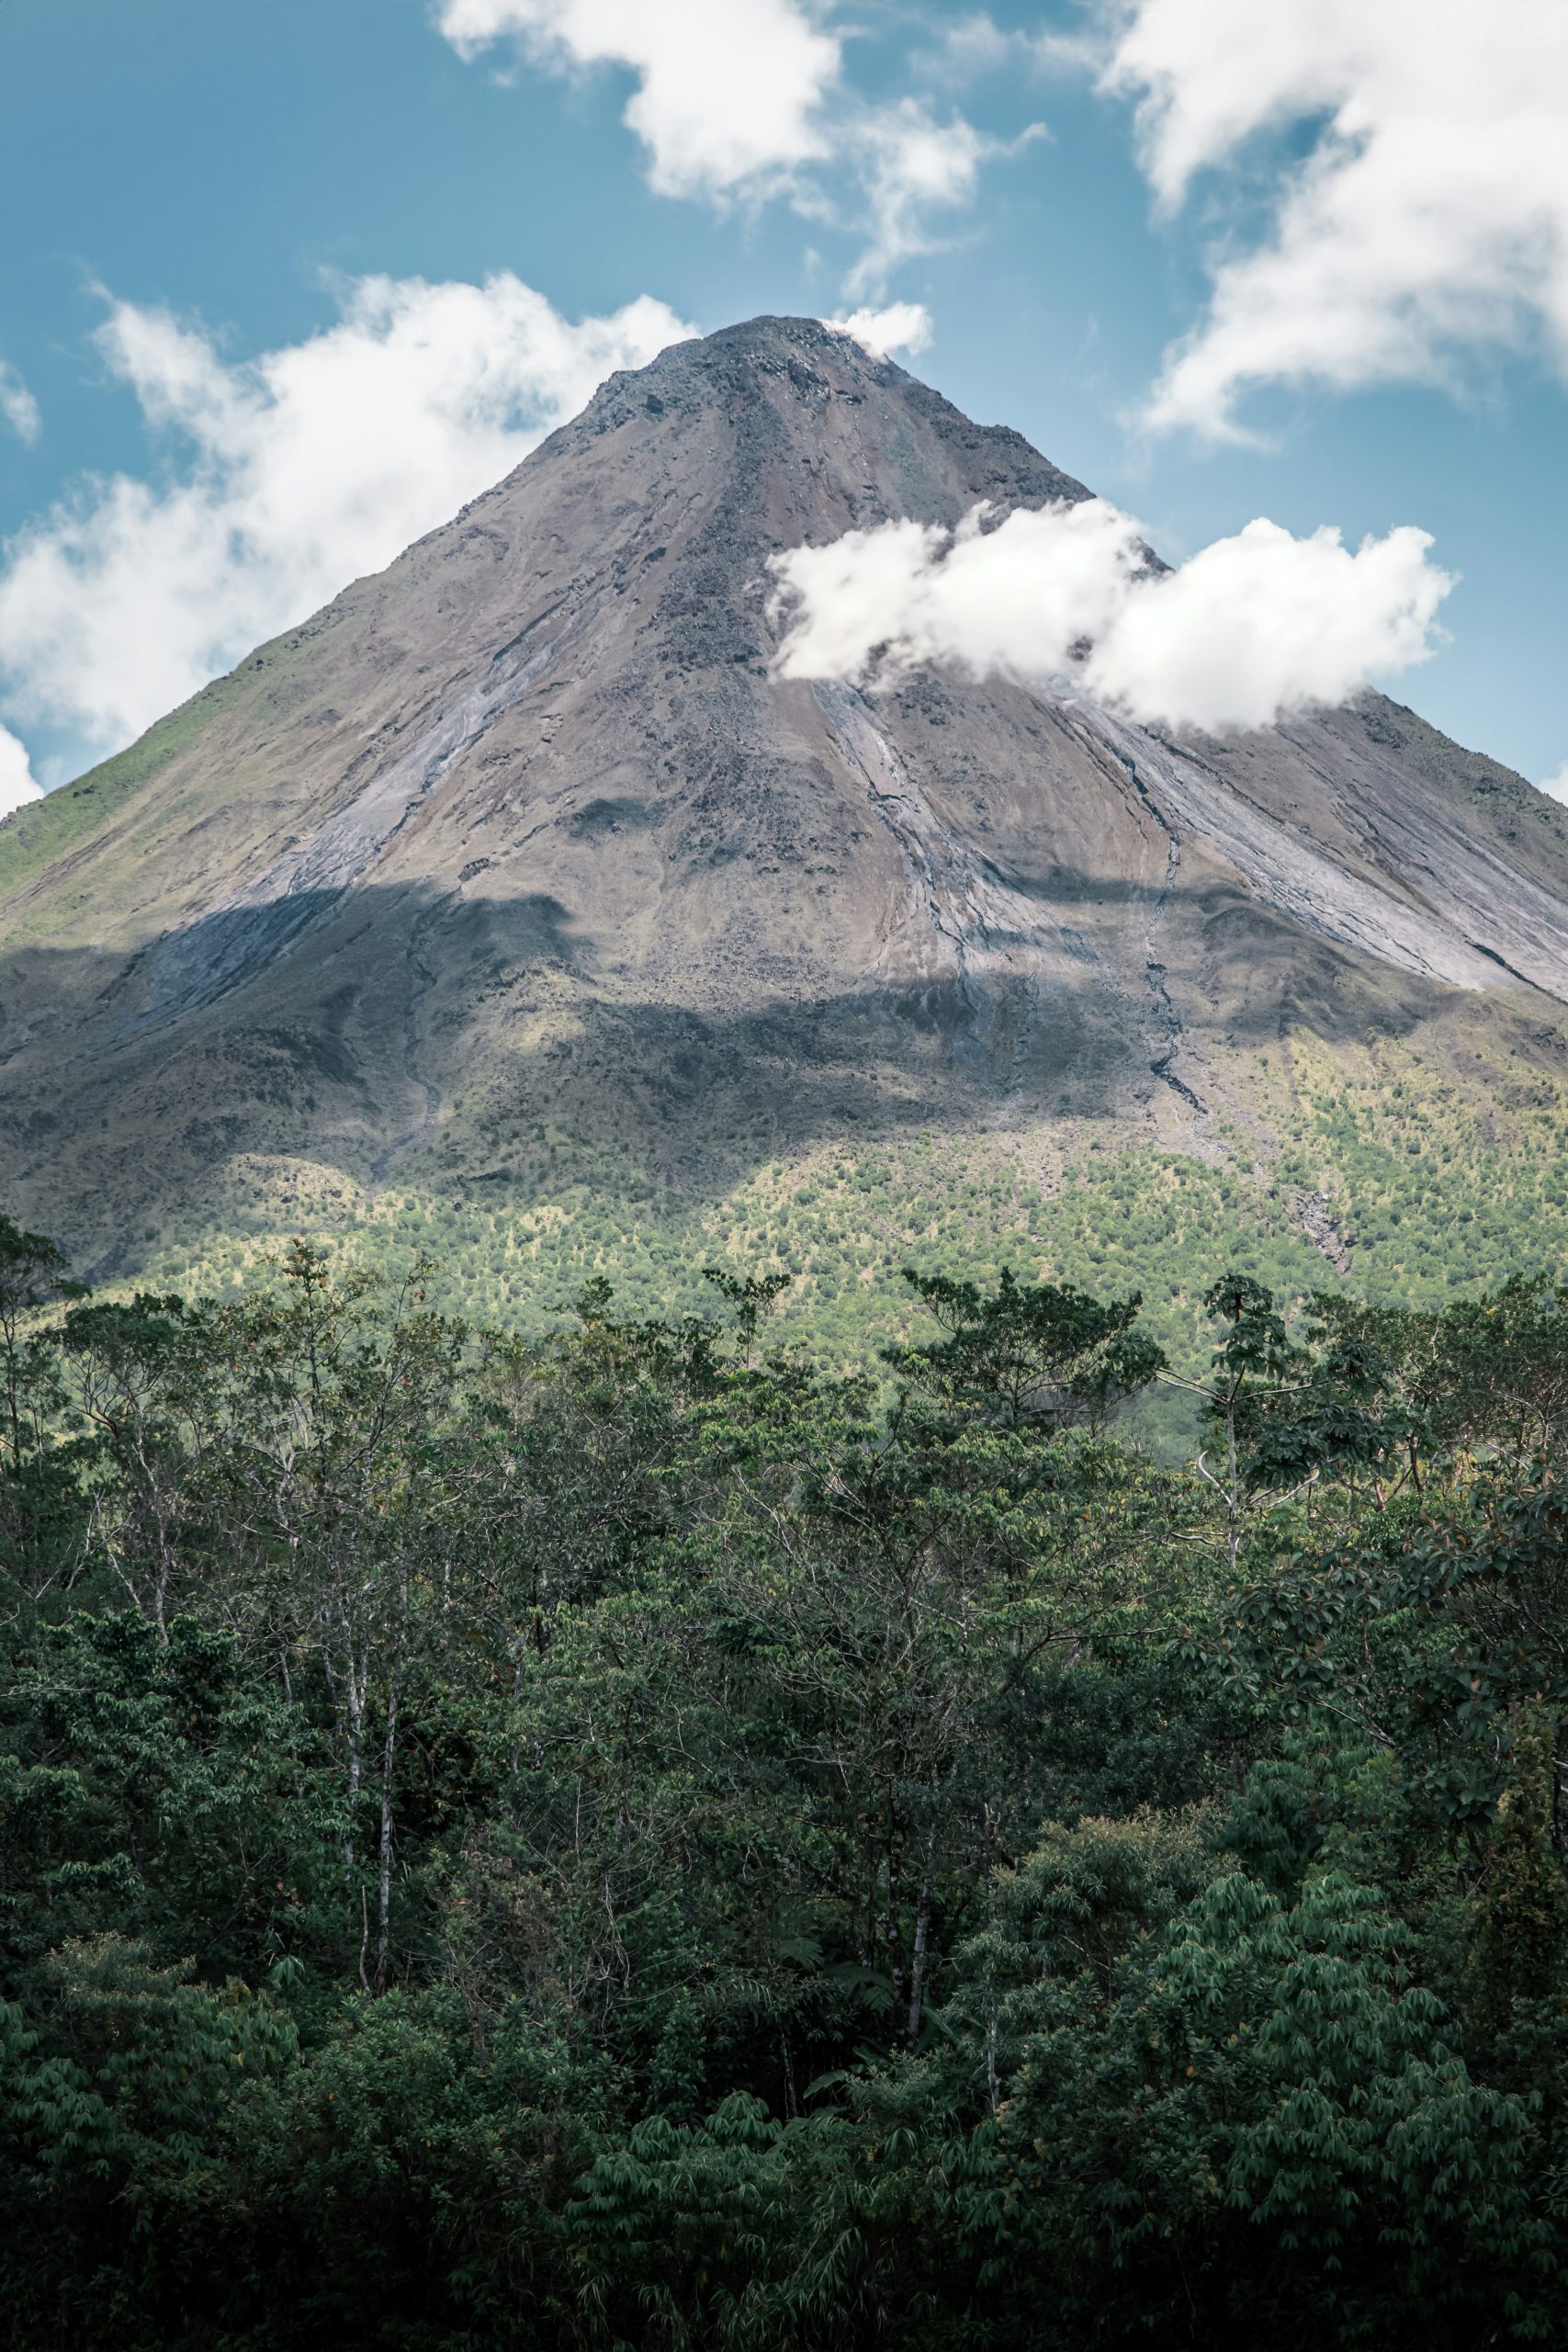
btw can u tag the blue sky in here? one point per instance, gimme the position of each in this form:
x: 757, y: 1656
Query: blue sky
x: 213, y: 178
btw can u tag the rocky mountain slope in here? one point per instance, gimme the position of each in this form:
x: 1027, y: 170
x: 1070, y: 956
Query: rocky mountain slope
x: 516, y: 869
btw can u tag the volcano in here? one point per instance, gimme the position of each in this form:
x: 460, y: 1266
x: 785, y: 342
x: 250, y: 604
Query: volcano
x: 518, y: 862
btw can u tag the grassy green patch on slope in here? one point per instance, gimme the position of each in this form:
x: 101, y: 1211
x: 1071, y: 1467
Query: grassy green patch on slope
x: 34, y: 837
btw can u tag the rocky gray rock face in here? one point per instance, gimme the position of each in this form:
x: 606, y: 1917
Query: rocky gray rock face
x: 521, y: 840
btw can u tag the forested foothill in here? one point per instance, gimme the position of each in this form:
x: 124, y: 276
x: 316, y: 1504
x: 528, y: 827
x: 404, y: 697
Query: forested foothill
x: 627, y: 1837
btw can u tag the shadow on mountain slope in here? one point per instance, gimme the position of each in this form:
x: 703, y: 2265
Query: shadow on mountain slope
x: 446, y: 1040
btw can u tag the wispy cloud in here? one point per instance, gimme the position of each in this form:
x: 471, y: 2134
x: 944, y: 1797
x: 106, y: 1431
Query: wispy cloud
x: 1250, y: 629
x: 17, y: 406
x: 1427, y: 217
x: 746, y: 100
x: 917, y: 172
x: 284, y: 479
x: 971, y: 46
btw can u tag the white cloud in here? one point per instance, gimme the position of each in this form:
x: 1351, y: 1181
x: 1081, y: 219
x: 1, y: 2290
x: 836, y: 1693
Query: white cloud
x: 976, y: 44
x: 16, y: 784
x: 1013, y: 599
x: 911, y: 166
x: 744, y: 98
x: 1252, y: 628
x: 899, y: 326
x: 18, y: 405
x: 1429, y: 214
x: 293, y: 474
x: 1257, y: 627
x: 1556, y: 786
x: 728, y: 91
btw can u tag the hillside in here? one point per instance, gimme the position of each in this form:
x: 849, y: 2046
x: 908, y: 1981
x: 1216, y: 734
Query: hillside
x: 511, y: 901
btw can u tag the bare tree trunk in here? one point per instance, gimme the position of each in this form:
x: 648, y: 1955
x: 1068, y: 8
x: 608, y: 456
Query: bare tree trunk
x: 163, y: 1571
x: 355, y: 1680
x: 384, y: 1888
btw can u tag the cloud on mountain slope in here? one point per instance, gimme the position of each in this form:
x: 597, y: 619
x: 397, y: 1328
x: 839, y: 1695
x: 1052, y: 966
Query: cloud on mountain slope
x: 1555, y: 787
x: 1252, y: 628
x: 898, y: 326
x: 745, y: 99
x: 1429, y: 215
x: 286, y: 477
x: 16, y: 784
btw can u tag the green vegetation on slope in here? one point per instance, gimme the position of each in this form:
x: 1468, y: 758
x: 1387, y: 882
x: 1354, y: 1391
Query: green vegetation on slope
x: 627, y: 1837
x: 87, y: 815
x: 34, y: 837
x: 1416, y: 1189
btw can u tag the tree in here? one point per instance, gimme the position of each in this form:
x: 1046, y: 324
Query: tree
x: 1040, y: 1355
x: 39, y: 1518
x: 142, y: 1387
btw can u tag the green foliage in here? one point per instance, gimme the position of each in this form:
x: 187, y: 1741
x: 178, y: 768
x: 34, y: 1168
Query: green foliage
x: 1184, y: 2086
x: 1045, y: 1355
x: 33, y: 837
x: 38, y: 1490
x: 629, y: 1833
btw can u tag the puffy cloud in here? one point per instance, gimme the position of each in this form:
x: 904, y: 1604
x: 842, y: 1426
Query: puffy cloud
x: 744, y: 98
x: 294, y: 474
x: 1252, y: 628
x: 16, y: 784
x: 1556, y: 786
x: 728, y: 91
x: 1261, y: 625
x: 18, y: 405
x: 1429, y: 212
x: 900, y: 326
x: 1014, y: 599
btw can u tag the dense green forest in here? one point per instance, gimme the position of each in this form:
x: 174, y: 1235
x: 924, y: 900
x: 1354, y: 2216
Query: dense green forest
x: 625, y: 1836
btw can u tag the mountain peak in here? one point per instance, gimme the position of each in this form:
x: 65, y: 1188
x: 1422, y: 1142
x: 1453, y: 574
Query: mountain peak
x: 804, y: 408
x: 817, y: 351
x: 522, y: 839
